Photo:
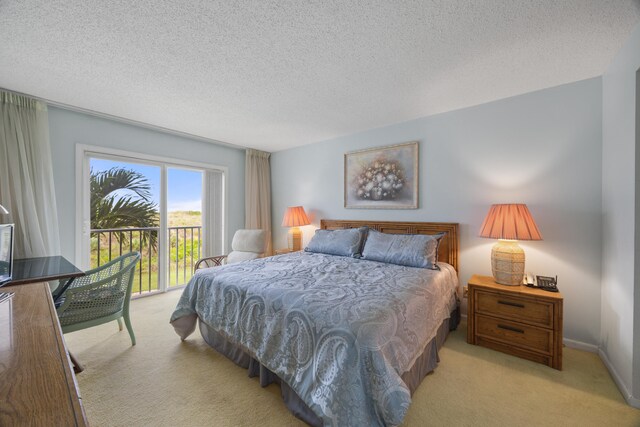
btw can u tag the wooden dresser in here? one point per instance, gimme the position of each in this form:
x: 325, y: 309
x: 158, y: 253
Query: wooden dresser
x: 517, y: 320
x: 37, y: 384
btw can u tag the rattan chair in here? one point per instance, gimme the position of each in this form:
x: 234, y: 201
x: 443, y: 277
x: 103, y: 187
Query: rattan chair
x: 246, y: 245
x: 101, y: 296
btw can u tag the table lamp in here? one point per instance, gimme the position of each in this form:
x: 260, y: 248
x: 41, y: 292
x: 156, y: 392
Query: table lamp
x: 509, y: 223
x: 295, y: 217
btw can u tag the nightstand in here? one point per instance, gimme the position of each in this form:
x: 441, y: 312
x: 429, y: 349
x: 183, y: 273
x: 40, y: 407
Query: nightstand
x: 517, y: 320
x: 282, y: 251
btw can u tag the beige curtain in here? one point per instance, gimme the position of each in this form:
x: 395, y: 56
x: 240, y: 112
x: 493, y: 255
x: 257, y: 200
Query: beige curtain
x: 26, y: 176
x: 257, y: 202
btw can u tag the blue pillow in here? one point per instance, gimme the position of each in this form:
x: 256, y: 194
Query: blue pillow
x: 338, y: 242
x: 412, y: 250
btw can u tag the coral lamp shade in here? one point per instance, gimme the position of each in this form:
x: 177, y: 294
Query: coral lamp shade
x: 510, y: 222
x: 295, y: 217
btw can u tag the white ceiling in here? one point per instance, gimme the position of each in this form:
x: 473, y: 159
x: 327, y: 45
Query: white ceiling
x: 278, y: 74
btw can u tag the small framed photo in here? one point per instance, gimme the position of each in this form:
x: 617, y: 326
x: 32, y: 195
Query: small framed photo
x: 382, y: 178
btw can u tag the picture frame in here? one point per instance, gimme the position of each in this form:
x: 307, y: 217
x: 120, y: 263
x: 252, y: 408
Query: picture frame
x: 382, y: 177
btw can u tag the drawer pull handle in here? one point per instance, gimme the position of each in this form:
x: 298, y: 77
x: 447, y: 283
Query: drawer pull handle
x: 513, y: 304
x: 511, y: 328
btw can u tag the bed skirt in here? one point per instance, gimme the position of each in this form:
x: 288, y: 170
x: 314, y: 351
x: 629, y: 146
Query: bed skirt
x: 425, y: 364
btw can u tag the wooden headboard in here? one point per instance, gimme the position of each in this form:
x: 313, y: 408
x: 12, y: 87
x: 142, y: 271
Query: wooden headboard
x: 447, y: 252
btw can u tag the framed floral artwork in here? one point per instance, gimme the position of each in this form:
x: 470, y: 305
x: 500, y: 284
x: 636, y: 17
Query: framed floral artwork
x: 382, y: 178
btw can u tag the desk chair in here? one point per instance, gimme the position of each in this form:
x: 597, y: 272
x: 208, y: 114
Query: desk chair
x: 101, y: 296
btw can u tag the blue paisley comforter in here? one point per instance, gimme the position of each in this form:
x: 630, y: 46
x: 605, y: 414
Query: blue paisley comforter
x: 340, y: 331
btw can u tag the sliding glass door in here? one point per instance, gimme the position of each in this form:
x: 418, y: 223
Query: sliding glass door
x: 171, y: 213
x: 184, y: 208
x: 124, y: 205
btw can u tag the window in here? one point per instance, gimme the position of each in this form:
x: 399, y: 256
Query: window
x: 171, y: 212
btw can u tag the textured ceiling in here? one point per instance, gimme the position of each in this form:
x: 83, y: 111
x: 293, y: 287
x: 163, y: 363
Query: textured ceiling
x: 277, y: 74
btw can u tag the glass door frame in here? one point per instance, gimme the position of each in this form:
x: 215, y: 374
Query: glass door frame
x: 83, y: 219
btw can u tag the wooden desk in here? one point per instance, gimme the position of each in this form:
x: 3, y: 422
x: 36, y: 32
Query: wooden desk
x: 43, y: 269
x: 37, y: 384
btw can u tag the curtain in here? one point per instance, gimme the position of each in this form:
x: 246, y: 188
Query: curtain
x: 257, y: 194
x: 213, y: 213
x: 26, y: 176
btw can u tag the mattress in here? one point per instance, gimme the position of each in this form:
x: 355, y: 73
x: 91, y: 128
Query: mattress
x: 343, y: 334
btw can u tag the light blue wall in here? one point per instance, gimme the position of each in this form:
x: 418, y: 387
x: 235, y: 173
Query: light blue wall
x: 542, y: 148
x: 620, y: 337
x: 69, y: 128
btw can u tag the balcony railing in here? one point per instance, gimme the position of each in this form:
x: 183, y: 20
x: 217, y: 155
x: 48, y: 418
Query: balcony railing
x: 184, y: 249
x: 190, y: 252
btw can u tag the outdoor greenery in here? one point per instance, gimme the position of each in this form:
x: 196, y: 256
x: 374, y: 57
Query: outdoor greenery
x: 182, y: 253
x: 121, y: 199
x: 185, y: 218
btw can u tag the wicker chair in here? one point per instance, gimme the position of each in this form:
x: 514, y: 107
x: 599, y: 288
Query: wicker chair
x: 99, y: 297
x: 246, y: 245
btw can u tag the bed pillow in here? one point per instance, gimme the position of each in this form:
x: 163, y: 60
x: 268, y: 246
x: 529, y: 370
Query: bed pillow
x: 412, y: 250
x: 338, y: 242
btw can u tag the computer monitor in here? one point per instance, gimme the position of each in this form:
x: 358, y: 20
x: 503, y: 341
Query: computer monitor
x: 6, y: 253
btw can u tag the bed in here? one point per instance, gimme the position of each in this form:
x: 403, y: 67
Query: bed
x: 348, y: 340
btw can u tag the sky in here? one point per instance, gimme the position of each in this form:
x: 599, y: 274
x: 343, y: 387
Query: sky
x: 184, y: 186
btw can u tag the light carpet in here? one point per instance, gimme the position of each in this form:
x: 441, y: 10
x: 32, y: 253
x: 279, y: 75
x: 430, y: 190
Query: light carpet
x: 165, y: 382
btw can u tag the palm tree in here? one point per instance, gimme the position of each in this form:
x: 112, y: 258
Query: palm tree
x: 121, y: 198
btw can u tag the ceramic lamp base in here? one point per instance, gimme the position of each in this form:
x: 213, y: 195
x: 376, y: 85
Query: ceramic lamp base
x: 507, y: 262
x: 294, y: 239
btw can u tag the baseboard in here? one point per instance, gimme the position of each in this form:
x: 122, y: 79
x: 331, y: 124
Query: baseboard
x: 631, y: 400
x: 579, y: 345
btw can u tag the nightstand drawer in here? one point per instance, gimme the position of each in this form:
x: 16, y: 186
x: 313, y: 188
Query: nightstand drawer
x: 514, y: 333
x: 517, y: 320
x: 515, y: 308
